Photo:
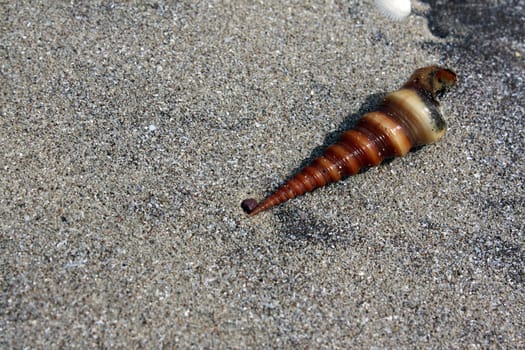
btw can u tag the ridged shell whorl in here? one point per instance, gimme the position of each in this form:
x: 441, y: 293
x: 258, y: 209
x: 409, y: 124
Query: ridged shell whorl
x: 407, y: 118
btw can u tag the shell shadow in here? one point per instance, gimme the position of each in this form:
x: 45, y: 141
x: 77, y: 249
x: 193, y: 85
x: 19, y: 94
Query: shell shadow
x: 300, y: 228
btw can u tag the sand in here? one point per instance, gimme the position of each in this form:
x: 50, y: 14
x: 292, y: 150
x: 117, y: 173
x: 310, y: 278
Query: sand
x: 131, y: 132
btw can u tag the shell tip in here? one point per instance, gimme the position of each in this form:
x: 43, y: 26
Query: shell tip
x: 248, y: 205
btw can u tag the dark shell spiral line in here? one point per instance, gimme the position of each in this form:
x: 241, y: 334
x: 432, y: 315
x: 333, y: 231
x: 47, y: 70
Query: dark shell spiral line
x: 407, y: 118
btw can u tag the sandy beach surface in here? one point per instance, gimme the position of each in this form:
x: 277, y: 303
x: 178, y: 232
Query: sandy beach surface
x: 130, y: 132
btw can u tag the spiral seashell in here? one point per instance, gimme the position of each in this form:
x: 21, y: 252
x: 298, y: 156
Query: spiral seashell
x: 407, y: 118
x: 394, y: 9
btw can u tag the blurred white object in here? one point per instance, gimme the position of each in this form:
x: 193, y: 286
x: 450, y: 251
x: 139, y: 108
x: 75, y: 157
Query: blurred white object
x: 394, y: 9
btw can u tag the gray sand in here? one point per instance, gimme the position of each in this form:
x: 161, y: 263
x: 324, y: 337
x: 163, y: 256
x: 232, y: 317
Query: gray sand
x: 130, y: 133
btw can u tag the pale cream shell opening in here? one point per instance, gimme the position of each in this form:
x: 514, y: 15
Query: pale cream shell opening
x: 418, y: 115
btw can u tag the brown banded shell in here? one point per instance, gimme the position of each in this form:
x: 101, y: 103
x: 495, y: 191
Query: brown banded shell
x: 407, y: 118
